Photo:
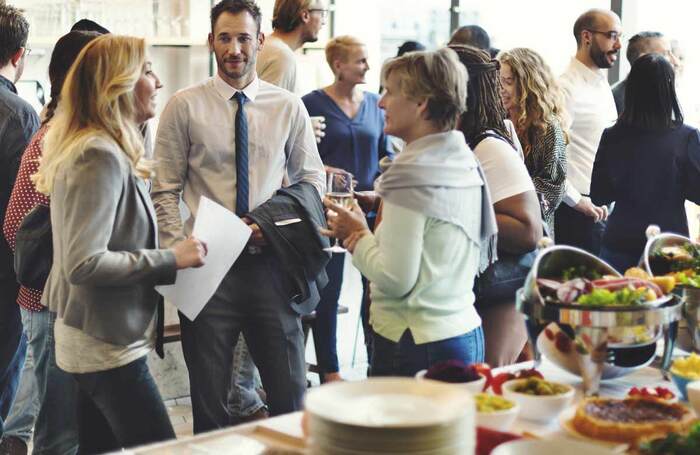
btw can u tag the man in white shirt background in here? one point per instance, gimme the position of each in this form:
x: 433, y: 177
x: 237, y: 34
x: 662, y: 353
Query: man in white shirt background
x: 591, y: 108
x: 201, y: 149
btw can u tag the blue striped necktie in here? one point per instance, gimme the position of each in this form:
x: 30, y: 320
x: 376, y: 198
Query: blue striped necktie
x: 242, y: 193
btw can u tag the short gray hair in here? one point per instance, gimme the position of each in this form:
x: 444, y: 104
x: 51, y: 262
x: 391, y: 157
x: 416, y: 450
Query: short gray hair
x: 435, y: 76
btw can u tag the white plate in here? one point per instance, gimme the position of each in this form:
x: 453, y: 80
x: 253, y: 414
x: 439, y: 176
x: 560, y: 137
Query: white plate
x: 389, y: 403
x: 550, y: 446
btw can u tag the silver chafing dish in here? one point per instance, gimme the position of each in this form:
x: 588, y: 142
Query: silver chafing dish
x: 593, y: 342
x: 690, y: 296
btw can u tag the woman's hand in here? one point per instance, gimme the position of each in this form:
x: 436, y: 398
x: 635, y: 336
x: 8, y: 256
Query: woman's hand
x: 342, y: 222
x: 189, y: 253
x: 368, y: 200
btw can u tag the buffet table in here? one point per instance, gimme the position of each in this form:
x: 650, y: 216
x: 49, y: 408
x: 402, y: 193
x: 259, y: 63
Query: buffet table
x: 283, y: 434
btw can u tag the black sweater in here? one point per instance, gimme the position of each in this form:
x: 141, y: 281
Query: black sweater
x: 649, y: 175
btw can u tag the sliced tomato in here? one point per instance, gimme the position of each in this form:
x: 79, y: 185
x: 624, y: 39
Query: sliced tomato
x: 498, y: 380
x: 484, y: 369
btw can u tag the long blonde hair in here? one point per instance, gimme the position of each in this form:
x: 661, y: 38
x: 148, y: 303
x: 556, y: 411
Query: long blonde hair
x: 97, y: 103
x: 539, y: 97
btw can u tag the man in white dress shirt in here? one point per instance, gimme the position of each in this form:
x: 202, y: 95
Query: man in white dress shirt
x: 201, y: 150
x: 591, y: 108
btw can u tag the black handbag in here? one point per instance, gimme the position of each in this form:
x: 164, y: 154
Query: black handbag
x: 34, y: 248
x: 501, y: 280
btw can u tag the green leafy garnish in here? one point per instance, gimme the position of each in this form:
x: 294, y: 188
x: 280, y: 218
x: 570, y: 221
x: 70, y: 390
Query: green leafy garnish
x: 580, y: 271
x: 605, y: 297
x: 686, y: 280
x: 675, y: 444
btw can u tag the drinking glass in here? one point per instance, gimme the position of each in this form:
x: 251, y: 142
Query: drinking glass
x: 340, y: 192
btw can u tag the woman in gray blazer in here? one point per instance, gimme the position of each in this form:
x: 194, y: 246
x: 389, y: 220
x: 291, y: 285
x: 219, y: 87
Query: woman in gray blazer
x: 106, y: 255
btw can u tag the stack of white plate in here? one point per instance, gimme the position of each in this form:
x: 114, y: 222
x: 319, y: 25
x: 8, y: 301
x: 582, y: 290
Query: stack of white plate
x: 391, y: 416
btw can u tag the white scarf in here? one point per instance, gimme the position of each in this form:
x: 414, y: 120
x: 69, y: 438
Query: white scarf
x: 431, y: 176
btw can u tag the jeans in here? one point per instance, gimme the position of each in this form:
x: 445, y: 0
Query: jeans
x: 406, y: 358
x: 253, y: 299
x: 20, y: 420
x: 243, y: 398
x: 120, y: 408
x: 47, y: 397
x: 620, y: 260
x: 13, y: 348
x: 576, y: 229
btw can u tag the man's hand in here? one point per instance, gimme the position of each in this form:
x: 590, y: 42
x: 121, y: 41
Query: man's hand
x: 587, y: 207
x: 319, y: 124
x: 257, y: 237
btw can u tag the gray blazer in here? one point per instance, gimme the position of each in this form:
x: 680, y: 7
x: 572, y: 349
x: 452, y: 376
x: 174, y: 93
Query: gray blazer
x: 104, y: 234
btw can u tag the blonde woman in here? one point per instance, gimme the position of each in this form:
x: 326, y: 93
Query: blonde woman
x: 354, y: 141
x: 535, y: 104
x: 106, y: 256
x: 438, y: 226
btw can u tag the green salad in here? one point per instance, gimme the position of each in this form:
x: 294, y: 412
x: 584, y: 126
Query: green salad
x: 622, y: 297
x: 684, y: 279
x: 675, y: 444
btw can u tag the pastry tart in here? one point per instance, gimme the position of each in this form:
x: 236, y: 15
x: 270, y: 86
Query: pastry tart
x: 630, y: 420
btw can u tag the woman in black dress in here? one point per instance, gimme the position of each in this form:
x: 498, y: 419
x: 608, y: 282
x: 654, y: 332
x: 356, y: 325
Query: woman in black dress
x: 648, y: 164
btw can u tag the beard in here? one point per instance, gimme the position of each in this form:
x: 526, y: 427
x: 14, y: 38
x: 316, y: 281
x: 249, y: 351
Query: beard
x: 248, y: 67
x: 599, y: 57
x: 310, y: 36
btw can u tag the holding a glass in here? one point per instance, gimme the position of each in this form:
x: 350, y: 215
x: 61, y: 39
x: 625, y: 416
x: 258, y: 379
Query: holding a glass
x: 340, y: 193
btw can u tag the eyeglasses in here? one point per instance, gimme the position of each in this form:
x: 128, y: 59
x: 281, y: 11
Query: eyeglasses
x: 324, y: 12
x: 27, y: 51
x: 611, y: 35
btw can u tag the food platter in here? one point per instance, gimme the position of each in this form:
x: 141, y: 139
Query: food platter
x: 599, y: 334
x: 690, y: 295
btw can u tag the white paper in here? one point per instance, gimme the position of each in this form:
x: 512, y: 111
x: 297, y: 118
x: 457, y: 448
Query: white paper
x: 225, y: 235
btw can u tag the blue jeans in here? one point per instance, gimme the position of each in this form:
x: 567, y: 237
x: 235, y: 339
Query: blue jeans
x: 243, y: 398
x: 406, y: 358
x: 13, y: 348
x: 620, y: 260
x: 121, y: 407
x: 47, y: 396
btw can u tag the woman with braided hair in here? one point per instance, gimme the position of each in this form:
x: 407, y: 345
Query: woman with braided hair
x: 512, y: 193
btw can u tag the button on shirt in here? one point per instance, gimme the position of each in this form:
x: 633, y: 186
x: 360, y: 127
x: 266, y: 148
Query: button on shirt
x: 591, y: 108
x: 195, y: 150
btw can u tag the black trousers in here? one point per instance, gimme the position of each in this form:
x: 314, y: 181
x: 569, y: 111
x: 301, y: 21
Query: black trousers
x: 572, y: 227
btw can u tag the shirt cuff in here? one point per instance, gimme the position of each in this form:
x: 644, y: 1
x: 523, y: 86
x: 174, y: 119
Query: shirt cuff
x: 572, y: 196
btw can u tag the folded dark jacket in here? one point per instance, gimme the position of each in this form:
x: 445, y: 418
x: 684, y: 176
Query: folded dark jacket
x: 290, y: 221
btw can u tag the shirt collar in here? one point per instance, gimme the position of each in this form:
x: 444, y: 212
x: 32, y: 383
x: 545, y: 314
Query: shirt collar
x: 6, y: 83
x: 227, y: 92
x: 589, y: 75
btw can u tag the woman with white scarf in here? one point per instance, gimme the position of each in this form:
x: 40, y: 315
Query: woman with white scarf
x: 438, y: 228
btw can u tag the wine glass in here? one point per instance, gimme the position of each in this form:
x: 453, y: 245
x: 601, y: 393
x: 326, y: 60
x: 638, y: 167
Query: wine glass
x: 340, y: 192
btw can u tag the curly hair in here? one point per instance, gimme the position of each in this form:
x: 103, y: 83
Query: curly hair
x: 485, y: 110
x: 538, y: 95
